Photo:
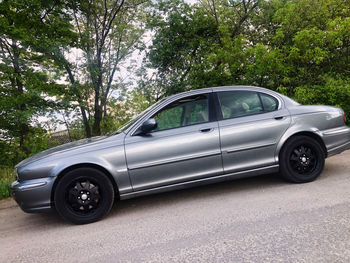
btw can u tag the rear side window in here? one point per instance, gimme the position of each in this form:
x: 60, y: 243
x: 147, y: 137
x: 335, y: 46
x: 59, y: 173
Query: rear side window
x: 269, y: 103
x: 239, y: 103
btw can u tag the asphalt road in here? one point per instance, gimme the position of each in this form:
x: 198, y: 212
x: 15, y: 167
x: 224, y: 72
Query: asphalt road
x: 261, y: 219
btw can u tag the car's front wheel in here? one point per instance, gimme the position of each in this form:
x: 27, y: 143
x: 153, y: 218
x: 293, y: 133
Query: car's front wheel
x: 301, y: 159
x: 84, y: 195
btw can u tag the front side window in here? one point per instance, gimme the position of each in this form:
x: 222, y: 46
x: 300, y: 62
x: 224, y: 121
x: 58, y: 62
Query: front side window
x: 239, y: 103
x: 184, y: 112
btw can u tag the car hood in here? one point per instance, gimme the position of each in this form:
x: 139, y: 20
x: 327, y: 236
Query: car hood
x: 65, y: 148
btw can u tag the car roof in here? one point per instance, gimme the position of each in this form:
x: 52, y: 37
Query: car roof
x: 238, y: 87
x: 225, y: 88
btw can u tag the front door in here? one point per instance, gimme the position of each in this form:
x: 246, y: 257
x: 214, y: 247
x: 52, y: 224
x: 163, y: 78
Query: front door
x: 184, y: 147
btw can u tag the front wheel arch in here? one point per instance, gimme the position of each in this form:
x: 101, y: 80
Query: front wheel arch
x: 84, y: 165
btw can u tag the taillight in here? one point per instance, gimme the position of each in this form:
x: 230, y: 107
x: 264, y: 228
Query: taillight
x: 344, y: 117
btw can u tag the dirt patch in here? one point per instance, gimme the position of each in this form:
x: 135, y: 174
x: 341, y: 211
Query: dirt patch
x: 7, y: 203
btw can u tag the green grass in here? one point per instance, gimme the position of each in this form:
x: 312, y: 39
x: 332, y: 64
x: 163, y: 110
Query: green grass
x: 7, y: 176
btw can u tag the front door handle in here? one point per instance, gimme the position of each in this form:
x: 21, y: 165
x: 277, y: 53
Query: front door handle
x: 206, y: 130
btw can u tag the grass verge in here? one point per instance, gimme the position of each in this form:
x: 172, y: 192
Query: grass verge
x: 7, y: 176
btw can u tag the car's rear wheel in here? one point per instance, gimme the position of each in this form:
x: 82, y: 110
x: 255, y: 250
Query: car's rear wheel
x: 301, y: 159
x: 84, y: 195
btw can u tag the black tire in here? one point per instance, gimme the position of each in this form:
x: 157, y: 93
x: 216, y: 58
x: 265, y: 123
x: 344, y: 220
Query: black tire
x: 302, y: 159
x: 84, y: 195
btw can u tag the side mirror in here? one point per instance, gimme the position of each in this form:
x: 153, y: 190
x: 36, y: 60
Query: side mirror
x: 146, y: 127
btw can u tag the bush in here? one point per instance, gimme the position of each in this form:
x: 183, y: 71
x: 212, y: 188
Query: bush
x: 333, y: 92
x: 7, y: 176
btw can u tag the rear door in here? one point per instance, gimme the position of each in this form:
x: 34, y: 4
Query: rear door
x: 251, y: 125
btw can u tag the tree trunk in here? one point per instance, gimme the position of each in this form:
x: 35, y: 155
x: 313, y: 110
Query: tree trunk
x: 86, y: 122
x: 98, y: 109
x: 23, y: 124
x: 96, y: 127
x: 82, y: 109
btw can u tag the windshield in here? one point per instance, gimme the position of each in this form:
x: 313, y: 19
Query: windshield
x: 136, y: 118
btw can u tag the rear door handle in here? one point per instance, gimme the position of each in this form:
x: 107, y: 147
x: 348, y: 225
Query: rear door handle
x: 206, y: 130
x: 279, y: 117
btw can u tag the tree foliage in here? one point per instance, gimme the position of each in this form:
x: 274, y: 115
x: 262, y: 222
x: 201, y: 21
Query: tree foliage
x: 108, y: 31
x: 25, y: 73
x: 290, y: 46
x: 39, y: 73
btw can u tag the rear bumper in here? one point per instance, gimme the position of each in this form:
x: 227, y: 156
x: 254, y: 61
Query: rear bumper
x: 337, y: 140
x: 33, y: 195
x: 339, y: 149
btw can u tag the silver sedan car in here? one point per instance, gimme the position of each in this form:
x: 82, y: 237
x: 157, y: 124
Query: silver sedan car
x: 188, y: 139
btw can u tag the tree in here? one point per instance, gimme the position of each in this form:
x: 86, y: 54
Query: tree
x: 286, y: 45
x: 39, y: 74
x: 202, y: 45
x: 313, y: 37
x: 108, y: 32
x: 24, y: 73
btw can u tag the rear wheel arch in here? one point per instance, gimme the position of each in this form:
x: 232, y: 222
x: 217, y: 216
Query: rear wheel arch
x: 310, y: 134
x: 301, y: 159
x: 84, y: 165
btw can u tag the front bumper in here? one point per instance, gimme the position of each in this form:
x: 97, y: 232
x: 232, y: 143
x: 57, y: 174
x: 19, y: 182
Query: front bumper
x: 33, y: 195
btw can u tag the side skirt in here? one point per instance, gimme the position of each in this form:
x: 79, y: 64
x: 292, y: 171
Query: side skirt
x: 204, y: 181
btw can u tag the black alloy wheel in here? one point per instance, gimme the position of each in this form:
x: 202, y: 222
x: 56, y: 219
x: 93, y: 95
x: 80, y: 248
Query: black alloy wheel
x: 84, y: 195
x: 301, y: 159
